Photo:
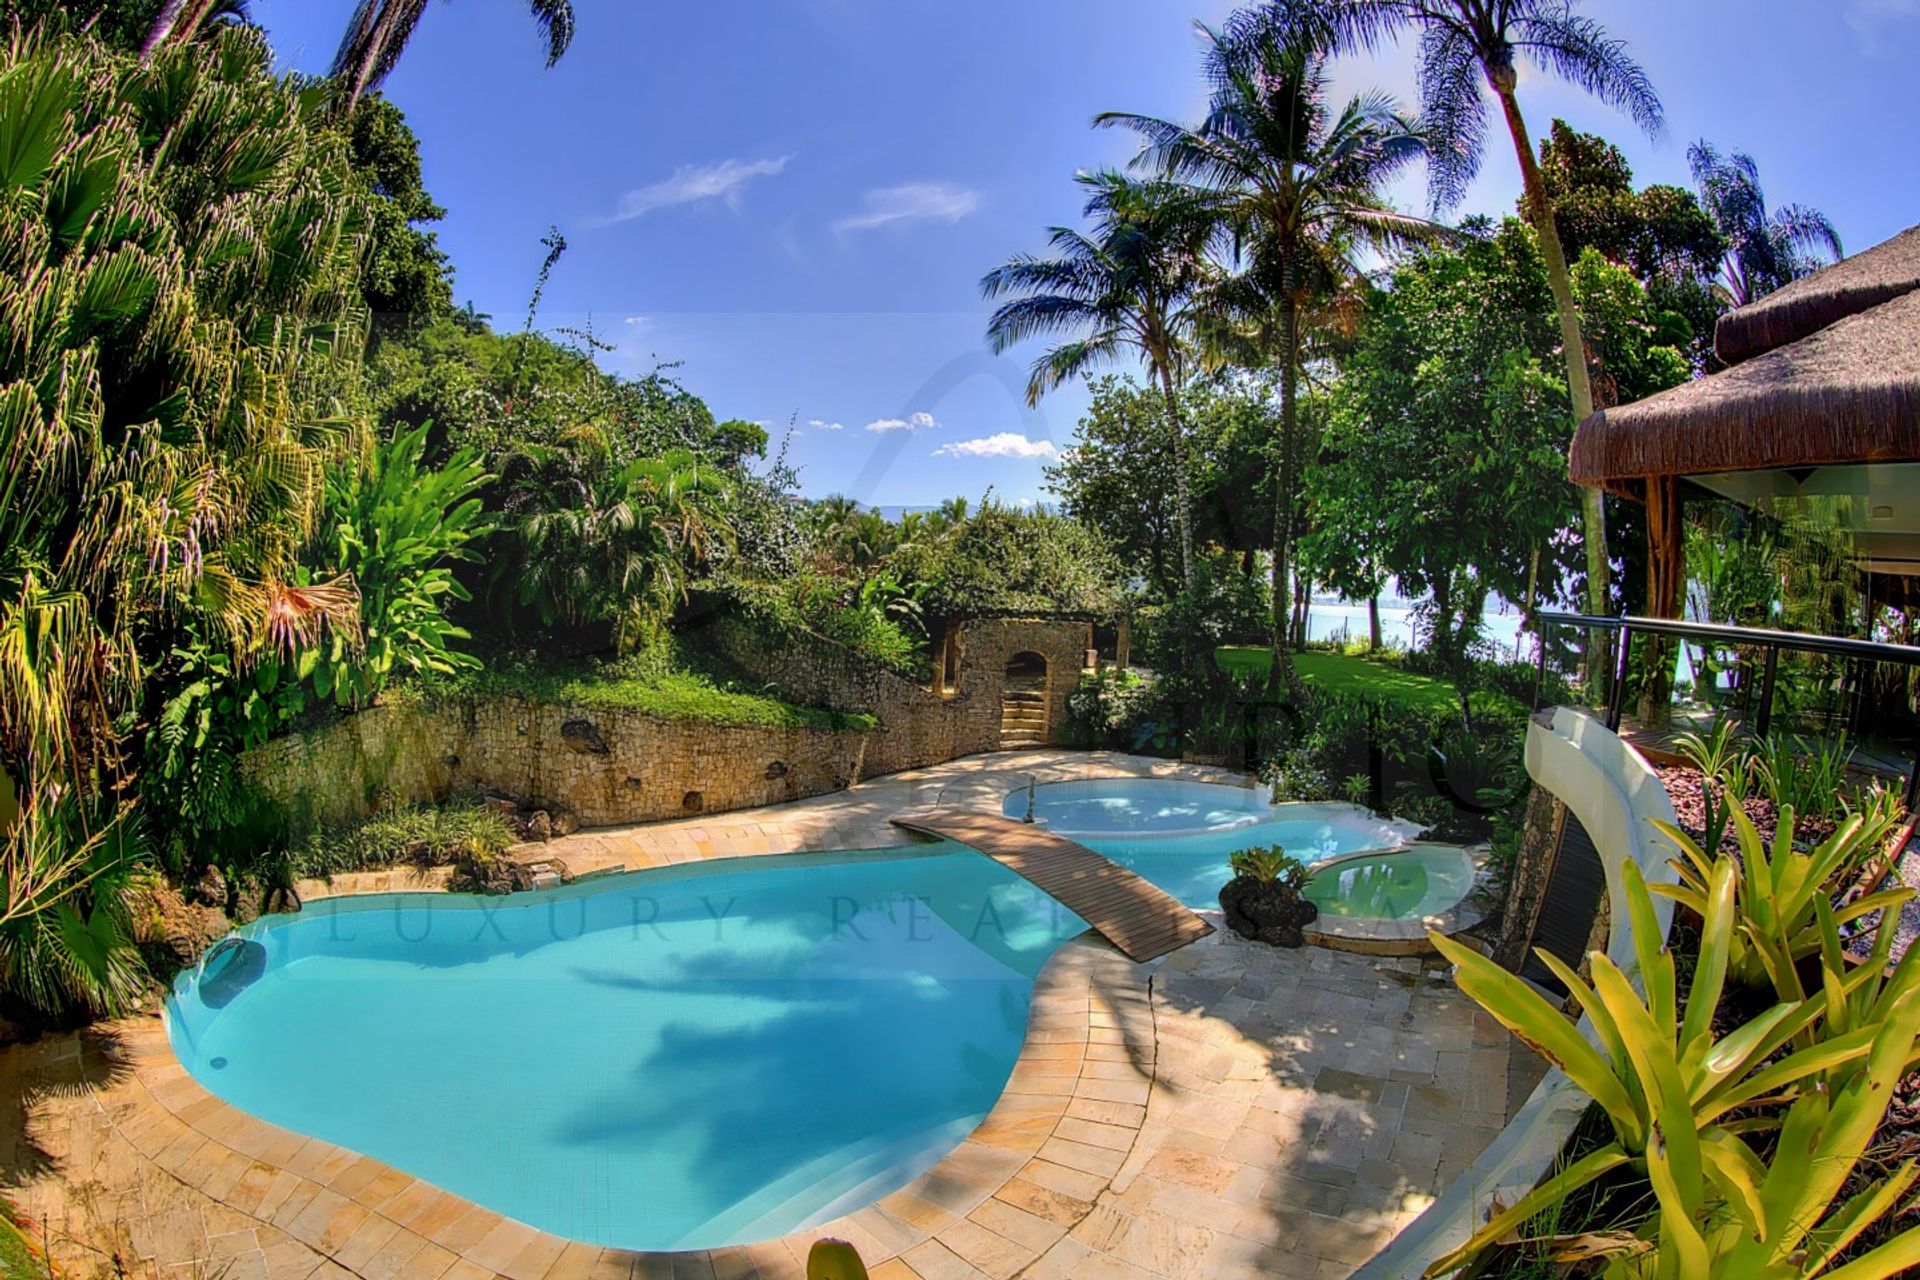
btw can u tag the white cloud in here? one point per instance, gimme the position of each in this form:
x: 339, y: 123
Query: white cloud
x: 912, y: 422
x: 922, y: 201
x: 1868, y: 16
x: 1003, y: 444
x: 692, y: 183
x: 821, y: 424
x: 638, y: 322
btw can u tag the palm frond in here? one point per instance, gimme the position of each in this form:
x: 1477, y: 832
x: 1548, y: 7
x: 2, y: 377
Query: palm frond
x: 1579, y: 50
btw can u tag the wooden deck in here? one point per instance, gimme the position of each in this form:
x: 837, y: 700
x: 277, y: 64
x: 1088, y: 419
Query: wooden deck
x: 1139, y: 918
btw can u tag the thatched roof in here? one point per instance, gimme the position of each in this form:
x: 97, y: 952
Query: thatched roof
x: 1881, y: 274
x: 1849, y: 393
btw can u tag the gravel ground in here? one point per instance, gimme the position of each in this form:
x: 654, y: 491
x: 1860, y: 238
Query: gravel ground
x: 1689, y: 803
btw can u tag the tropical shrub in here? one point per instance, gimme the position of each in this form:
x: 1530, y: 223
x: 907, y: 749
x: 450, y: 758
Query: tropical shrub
x: 1677, y: 1096
x: 1805, y: 776
x: 876, y: 617
x: 1121, y: 709
x: 179, y: 244
x: 396, y: 528
x: 1264, y: 900
x: 1270, y: 864
x: 1781, y: 891
x: 68, y: 949
x: 1725, y: 763
x: 419, y: 837
x: 586, y: 541
x: 1224, y: 605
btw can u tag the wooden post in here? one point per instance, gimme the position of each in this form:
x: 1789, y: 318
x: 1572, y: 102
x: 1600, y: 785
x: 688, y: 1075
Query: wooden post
x: 1666, y: 581
x: 1666, y: 547
x: 1123, y: 642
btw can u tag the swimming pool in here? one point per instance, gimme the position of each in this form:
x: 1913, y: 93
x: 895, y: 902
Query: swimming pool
x: 1139, y: 806
x: 1181, y: 835
x: 1416, y: 884
x: 672, y: 1059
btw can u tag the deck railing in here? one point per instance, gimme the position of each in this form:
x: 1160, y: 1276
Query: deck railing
x: 1759, y: 643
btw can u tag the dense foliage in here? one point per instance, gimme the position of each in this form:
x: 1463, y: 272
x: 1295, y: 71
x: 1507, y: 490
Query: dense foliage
x: 181, y: 241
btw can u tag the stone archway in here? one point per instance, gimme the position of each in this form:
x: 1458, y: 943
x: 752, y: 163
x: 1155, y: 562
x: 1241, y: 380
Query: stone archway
x: 1025, y: 708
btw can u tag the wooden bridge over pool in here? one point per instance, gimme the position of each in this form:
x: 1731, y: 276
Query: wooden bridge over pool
x: 1143, y: 920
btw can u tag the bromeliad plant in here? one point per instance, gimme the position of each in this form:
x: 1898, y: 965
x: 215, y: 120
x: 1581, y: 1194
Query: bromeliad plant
x: 1806, y: 776
x: 1779, y: 891
x: 1725, y: 763
x: 1674, y: 1092
x: 1269, y: 865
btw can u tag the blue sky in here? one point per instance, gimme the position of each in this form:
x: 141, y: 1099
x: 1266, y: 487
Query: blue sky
x: 795, y: 199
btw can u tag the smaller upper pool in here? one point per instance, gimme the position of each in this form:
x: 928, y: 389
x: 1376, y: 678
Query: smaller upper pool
x: 1182, y: 835
x: 1416, y: 884
x: 1139, y: 807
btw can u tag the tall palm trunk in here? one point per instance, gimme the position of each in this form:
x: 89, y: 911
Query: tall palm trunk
x: 1183, y: 489
x: 163, y: 25
x: 1579, y: 384
x: 181, y: 17
x: 1283, y: 670
x: 383, y: 29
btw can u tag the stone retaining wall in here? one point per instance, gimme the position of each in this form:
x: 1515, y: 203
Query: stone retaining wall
x: 606, y: 766
x: 918, y: 727
x: 612, y: 767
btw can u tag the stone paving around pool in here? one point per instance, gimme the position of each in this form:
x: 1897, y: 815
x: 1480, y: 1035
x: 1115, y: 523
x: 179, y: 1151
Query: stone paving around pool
x: 1226, y: 1110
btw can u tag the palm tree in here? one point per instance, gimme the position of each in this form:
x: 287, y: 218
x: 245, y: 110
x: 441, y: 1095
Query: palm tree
x: 1766, y: 249
x: 378, y: 33
x: 1462, y: 44
x: 184, y: 19
x: 1132, y: 285
x: 592, y: 542
x: 1298, y: 188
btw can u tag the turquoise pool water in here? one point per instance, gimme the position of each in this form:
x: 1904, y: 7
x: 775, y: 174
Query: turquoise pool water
x: 1181, y: 835
x: 1139, y: 806
x: 662, y: 1060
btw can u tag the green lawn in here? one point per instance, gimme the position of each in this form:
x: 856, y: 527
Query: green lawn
x: 1343, y: 673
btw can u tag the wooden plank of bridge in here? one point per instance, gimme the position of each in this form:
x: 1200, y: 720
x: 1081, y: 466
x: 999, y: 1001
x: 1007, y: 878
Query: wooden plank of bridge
x: 1137, y: 916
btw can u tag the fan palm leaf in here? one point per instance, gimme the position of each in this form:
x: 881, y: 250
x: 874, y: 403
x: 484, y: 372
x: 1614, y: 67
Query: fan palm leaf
x: 379, y: 30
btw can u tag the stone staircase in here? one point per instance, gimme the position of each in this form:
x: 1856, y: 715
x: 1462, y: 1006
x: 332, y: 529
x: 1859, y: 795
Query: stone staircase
x: 1023, y: 713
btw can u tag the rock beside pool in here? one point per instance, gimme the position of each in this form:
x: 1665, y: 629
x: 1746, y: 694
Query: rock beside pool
x: 530, y: 821
x: 1268, y: 911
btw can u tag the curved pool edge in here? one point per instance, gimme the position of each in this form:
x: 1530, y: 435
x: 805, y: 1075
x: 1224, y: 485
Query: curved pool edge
x: 1377, y: 936
x: 354, y: 1209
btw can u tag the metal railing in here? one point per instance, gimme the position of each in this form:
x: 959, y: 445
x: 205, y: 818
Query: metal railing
x: 1768, y: 644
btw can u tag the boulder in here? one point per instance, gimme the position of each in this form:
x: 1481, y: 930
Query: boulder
x: 582, y: 736
x: 1268, y: 911
x: 537, y: 825
x: 172, y: 931
x: 210, y: 889
x: 475, y: 872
